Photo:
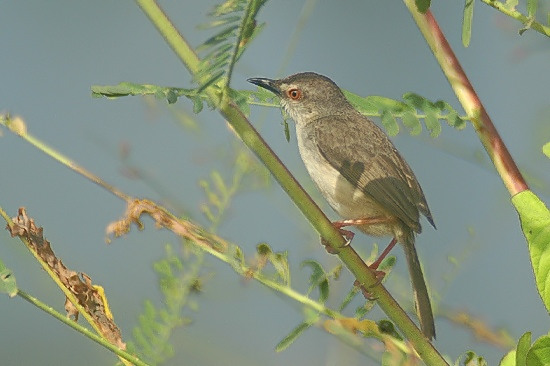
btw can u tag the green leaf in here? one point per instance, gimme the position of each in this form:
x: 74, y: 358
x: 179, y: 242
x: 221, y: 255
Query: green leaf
x: 389, y: 123
x: 178, y: 277
x: 539, y: 354
x: 257, y: 30
x: 219, y: 183
x: 336, y: 271
x: 383, y: 103
x: 387, y: 264
x: 210, y: 81
x: 367, y: 106
x: 472, y: 359
x: 317, y: 272
x: 280, y: 263
x: 212, y: 196
x: 467, y: 22
x: 546, y: 149
x: 262, y: 96
x: 387, y: 327
x: 509, y: 359
x: 363, y: 310
x: 453, y: 119
x: 318, y: 278
x: 208, y: 213
x: 197, y: 105
x: 218, y: 38
x: 422, y: 5
x: 349, y: 297
x: 239, y: 256
x: 522, y: 348
x: 311, y: 316
x: 430, y: 109
x: 416, y: 101
x: 171, y: 97
x: 289, y: 339
x: 432, y: 123
x: 287, y: 130
x: 215, y: 53
x: 227, y: 7
x: 7, y: 281
x: 212, y: 67
x: 225, y: 47
x: 511, y: 4
x: 124, y: 89
x: 219, y: 22
x: 263, y: 249
x: 241, y: 100
x: 412, y: 123
x: 532, y: 6
x: 535, y: 223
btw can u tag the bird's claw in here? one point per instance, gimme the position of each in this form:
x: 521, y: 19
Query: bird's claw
x: 365, y: 289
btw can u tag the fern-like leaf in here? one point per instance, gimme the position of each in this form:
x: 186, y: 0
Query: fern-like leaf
x: 171, y: 94
x: 237, y: 18
x: 411, y: 111
x: 177, y: 280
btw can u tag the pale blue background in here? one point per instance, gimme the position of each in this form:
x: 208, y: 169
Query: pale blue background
x: 52, y: 52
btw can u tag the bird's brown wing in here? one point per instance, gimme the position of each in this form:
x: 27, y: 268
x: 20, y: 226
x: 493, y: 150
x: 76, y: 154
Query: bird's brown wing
x: 371, y: 162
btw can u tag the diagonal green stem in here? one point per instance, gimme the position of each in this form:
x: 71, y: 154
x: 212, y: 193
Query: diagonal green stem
x: 79, y: 328
x: 322, y: 224
x: 488, y: 134
x: 171, y: 35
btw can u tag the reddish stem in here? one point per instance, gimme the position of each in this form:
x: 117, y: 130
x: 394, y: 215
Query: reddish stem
x: 491, y: 140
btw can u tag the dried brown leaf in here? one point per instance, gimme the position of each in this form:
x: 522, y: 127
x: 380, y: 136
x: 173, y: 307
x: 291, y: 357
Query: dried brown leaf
x: 79, y: 284
x: 163, y: 219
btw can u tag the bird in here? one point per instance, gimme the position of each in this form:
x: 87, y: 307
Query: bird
x: 358, y: 171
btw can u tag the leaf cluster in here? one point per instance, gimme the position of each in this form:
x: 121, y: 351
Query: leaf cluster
x: 219, y: 53
x: 410, y: 111
x: 179, y: 279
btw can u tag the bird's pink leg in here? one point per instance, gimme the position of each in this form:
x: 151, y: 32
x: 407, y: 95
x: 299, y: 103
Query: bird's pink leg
x: 366, y: 221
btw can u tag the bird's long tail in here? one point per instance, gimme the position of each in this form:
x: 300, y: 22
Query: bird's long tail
x: 421, y: 297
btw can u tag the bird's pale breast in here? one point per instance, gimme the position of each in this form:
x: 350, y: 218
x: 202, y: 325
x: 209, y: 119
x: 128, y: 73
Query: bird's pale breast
x: 346, y: 199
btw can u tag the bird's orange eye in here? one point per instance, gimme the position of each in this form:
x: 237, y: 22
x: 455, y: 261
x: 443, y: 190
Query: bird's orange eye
x: 294, y: 94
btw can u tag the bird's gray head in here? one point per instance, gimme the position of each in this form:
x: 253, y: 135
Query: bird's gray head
x: 307, y: 96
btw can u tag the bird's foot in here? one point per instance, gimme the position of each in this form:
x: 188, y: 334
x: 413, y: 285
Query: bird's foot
x: 348, y: 235
x: 365, y: 289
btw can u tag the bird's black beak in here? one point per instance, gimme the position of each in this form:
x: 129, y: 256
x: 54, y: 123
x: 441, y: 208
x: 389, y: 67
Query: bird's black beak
x: 268, y: 84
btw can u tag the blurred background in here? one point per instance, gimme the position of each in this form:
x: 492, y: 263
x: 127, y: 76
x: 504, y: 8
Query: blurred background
x: 476, y: 261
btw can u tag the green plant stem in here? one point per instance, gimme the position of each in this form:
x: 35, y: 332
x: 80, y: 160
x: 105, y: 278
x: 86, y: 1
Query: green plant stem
x: 79, y: 328
x: 525, y: 20
x: 251, y: 10
x: 171, y: 35
x: 325, y: 228
x: 322, y: 224
x: 73, y: 165
x: 487, y: 133
x: 175, y: 40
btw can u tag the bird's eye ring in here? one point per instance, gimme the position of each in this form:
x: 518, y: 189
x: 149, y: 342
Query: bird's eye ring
x: 294, y: 94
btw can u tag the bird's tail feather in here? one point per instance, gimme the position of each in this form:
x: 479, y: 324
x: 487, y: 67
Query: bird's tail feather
x: 421, y: 297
